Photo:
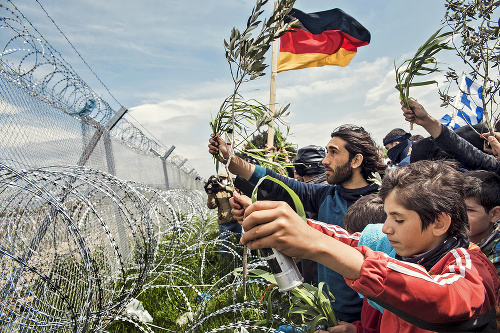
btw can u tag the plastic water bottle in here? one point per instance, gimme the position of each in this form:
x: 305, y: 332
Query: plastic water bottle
x: 284, y: 269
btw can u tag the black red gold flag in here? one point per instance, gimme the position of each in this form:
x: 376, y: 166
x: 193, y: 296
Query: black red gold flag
x: 329, y: 37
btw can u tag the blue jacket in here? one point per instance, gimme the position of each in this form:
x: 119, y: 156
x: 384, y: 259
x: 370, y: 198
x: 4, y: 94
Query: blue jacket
x: 330, y: 202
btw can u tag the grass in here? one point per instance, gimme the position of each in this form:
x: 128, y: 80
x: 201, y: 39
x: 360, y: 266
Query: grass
x: 194, y: 277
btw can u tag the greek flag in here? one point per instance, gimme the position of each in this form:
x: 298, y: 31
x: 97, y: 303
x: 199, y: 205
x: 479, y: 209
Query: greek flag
x: 468, y: 106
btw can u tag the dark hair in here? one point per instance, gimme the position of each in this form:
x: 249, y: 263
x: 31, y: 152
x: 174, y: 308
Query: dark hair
x: 359, y: 141
x: 393, y: 133
x: 366, y: 210
x: 416, y: 137
x: 486, y: 189
x: 430, y: 188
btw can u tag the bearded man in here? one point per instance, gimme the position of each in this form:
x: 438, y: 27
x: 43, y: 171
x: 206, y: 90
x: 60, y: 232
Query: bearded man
x: 352, y: 159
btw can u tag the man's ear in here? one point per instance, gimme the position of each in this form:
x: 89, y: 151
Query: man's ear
x: 494, y: 214
x: 356, y: 161
x: 441, y: 225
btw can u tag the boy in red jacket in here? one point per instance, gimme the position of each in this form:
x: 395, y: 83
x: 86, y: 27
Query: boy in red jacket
x: 367, y: 210
x: 435, y: 283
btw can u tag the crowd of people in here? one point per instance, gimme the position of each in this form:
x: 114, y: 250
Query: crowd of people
x: 418, y: 252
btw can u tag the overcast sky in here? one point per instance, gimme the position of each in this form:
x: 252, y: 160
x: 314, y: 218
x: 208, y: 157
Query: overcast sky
x: 164, y: 60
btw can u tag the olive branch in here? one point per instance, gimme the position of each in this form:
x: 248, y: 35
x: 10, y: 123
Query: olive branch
x: 245, y: 55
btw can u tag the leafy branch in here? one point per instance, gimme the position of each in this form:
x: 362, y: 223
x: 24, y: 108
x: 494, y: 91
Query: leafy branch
x: 245, y: 55
x: 476, y: 33
x: 277, y: 158
x: 237, y: 115
x: 422, y: 63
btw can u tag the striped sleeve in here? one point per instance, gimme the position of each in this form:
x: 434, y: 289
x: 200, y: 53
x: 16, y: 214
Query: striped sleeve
x: 336, y: 232
x: 461, y: 287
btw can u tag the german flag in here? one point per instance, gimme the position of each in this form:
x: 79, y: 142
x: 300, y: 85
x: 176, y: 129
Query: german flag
x: 330, y: 37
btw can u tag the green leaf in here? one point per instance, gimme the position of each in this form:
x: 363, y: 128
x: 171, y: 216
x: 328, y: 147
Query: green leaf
x: 299, y: 208
x: 417, y: 65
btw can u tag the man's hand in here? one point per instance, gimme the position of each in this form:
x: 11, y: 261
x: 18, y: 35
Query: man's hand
x: 417, y: 114
x: 494, y: 143
x: 236, y: 166
x: 214, y: 146
x: 239, y: 203
x: 343, y: 327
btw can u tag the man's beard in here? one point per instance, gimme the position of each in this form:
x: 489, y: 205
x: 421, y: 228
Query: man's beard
x: 341, y: 174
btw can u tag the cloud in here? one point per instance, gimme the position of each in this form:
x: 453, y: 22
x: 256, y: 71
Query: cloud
x: 386, y: 86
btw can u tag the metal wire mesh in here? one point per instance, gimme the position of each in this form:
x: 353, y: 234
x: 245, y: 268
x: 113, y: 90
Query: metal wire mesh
x: 50, y: 116
x: 76, y: 244
x: 83, y: 205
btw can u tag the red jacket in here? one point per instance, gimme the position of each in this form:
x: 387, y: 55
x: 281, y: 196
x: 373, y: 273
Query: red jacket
x: 370, y: 319
x: 459, y: 292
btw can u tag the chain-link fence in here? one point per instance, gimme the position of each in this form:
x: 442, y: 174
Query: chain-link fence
x: 50, y: 116
x: 85, y: 196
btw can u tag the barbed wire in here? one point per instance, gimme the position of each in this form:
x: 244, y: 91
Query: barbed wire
x: 76, y: 244
x: 28, y: 60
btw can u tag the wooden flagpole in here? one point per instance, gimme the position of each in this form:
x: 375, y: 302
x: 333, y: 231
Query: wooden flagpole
x: 272, y: 97
x: 270, y: 138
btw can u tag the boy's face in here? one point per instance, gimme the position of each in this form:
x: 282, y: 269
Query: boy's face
x: 404, y: 229
x: 480, y: 221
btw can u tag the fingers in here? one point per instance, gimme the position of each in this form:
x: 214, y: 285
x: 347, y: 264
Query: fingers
x: 234, y: 203
x: 262, y: 206
x: 262, y: 219
x: 213, y: 146
x: 407, y: 113
x: 275, y: 224
x: 494, y: 143
x: 487, y: 148
x: 216, y: 145
x: 242, y: 200
x: 237, y: 209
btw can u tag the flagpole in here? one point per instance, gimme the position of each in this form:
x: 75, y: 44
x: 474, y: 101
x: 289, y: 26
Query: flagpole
x: 270, y: 139
x: 272, y: 97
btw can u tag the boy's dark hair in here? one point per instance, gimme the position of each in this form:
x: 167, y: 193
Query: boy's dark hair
x: 486, y: 190
x: 359, y: 141
x: 430, y: 188
x: 416, y: 137
x: 366, y: 210
x: 393, y: 133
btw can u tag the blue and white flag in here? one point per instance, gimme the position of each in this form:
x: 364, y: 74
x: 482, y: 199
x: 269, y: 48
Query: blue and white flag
x: 468, y: 106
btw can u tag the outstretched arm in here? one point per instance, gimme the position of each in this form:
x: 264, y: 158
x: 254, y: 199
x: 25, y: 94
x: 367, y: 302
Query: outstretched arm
x: 275, y: 224
x: 237, y: 166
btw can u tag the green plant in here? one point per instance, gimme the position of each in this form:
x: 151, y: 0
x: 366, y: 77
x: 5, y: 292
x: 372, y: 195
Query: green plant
x: 422, y: 63
x: 276, y: 159
x: 245, y: 55
x: 309, y: 302
x: 191, y: 276
x: 237, y: 116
